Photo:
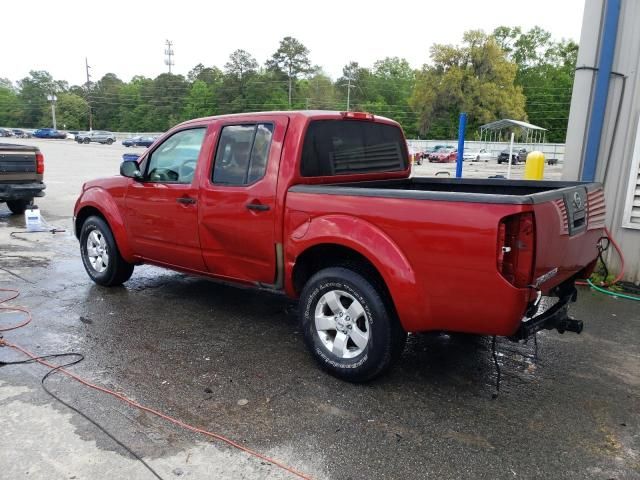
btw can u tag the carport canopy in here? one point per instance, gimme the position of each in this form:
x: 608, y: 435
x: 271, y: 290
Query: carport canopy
x: 494, y: 131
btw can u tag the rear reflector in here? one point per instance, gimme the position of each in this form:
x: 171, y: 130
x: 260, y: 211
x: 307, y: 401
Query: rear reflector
x: 358, y: 115
x: 515, y: 248
x: 39, y: 163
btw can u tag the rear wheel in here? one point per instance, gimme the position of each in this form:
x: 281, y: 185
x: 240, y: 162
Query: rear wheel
x: 100, y: 254
x: 86, y: 140
x: 348, y: 327
x: 18, y: 207
x: 109, y: 141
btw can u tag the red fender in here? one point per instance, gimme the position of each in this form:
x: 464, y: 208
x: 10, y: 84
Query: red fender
x: 107, y: 204
x: 372, y: 243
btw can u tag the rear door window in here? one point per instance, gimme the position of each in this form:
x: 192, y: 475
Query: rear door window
x: 345, y: 147
x: 242, y: 154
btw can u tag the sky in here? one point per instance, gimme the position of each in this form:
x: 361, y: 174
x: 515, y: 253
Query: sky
x: 128, y: 38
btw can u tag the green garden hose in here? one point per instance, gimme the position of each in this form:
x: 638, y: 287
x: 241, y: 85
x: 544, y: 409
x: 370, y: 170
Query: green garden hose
x: 613, y: 294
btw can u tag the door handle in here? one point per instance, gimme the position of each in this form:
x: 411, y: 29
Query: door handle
x: 257, y: 206
x: 186, y: 200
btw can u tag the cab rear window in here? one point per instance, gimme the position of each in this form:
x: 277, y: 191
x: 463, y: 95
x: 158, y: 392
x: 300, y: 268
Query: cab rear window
x: 347, y: 147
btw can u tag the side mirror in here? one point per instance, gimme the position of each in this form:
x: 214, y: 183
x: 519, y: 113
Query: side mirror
x: 130, y: 169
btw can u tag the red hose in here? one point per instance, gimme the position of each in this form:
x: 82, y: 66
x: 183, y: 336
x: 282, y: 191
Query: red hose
x: 124, y: 398
x: 621, y: 273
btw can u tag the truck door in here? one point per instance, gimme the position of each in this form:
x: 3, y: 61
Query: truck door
x: 162, y: 209
x: 238, y: 200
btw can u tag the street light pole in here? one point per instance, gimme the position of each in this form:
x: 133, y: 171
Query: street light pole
x: 52, y: 99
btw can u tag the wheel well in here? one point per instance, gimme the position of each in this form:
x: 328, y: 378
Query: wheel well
x: 83, y: 214
x: 323, y: 256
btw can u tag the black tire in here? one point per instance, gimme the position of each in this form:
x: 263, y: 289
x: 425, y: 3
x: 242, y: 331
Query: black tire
x: 18, y: 207
x: 117, y: 270
x: 386, y: 338
x: 109, y: 141
x: 86, y: 141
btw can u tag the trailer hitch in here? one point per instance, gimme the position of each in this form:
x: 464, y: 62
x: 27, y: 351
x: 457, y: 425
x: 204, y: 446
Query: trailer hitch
x: 556, y: 317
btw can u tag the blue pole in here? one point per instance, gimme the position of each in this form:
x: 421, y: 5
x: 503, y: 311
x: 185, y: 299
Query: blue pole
x: 462, y: 126
x: 601, y: 92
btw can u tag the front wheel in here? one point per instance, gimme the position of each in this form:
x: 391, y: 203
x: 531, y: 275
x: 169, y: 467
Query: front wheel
x: 18, y: 207
x: 100, y: 254
x: 86, y: 141
x: 347, y: 325
x: 109, y: 141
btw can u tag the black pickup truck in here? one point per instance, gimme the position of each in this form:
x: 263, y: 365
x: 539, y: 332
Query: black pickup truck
x: 21, y: 172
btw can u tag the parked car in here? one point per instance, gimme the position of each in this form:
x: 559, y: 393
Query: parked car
x: 97, y: 136
x: 49, y: 133
x: 314, y: 205
x: 138, y: 141
x: 424, y: 155
x: 480, y: 155
x: 18, y: 133
x: 444, y: 155
x: 519, y: 156
x: 5, y: 132
x: 21, y: 173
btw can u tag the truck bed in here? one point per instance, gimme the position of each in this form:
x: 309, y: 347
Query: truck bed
x: 476, y: 190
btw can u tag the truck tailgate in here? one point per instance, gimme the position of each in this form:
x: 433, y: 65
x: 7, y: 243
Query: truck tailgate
x: 568, y: 227
x: 17, y: 163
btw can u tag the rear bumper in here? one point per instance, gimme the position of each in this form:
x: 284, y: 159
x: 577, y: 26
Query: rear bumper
x: 555, y: 317
x: 17, y: 191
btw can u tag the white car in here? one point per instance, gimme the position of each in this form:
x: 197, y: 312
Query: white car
x: 476, y: 155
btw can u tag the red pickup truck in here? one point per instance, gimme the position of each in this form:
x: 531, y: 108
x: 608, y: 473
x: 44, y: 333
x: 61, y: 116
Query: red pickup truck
x: 321, y: 207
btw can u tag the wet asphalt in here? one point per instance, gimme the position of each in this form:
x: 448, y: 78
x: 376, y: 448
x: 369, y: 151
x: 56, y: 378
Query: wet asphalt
x: 233, y: 361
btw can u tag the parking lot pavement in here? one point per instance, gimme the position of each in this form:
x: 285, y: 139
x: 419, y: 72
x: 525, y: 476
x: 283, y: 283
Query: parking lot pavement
x: 233, y: 361
x: 482, y: 170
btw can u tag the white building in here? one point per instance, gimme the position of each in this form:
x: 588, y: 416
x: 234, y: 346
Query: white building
x: 603, y: 136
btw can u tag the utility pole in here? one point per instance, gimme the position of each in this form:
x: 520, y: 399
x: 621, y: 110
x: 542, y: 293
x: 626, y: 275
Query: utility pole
x: 349, y: 87
x: 52, y: 98
x: 86, y: 63
x: 169, y: 53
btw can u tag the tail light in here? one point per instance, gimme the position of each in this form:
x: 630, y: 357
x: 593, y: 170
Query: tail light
x: 39, y: 163
x: 515, y: 248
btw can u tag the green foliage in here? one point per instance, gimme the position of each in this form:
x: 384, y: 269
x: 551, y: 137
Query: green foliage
x: 292, y: 59
x: 72, y: 112
x: 506, y: 74
x: 475, y: 77
x: 10, y: 107
x: 201, y: 101
x: 545, y: 73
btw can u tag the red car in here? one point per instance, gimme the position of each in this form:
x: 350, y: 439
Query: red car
x: 445, y: 155
x: 320, y: 206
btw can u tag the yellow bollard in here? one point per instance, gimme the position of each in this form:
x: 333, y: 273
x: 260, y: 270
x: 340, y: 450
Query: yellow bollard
x: 534, y: 167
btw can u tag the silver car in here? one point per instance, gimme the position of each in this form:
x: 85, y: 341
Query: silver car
x: 99, y: 136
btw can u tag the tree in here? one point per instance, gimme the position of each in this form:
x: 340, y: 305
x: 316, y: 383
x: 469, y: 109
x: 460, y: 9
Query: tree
x: 318, y: 92
x: 200, y: 101
x: 10, y: 107
x: 545, y: 73
x: 167, y: 99
x: 241, y: 64
x: 209, y: 75
x: 475, y: 77
x: 34, y: 90
x: 106, y: 101
x: 291, y: 58
x: 72, y: 111
x: 238, y: 70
